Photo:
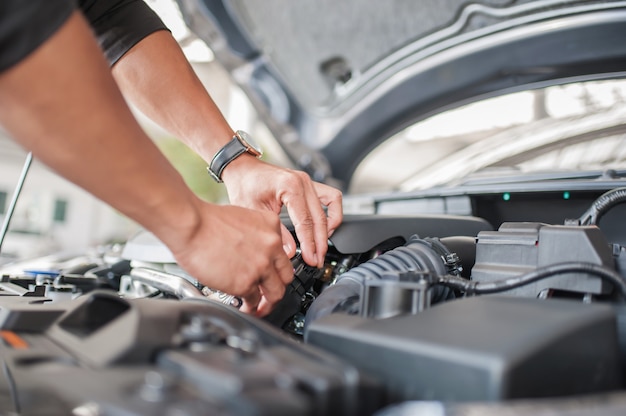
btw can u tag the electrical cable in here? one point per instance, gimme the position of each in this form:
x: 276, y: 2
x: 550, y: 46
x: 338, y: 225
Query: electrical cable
x: 483, y: 288
x: 601, y: 205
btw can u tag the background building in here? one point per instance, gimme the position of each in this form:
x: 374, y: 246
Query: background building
x: 52, y: 214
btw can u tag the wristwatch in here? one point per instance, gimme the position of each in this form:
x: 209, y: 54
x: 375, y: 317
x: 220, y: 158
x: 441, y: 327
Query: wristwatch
x: 240, y: 143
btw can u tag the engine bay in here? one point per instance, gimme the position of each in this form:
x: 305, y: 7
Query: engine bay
x: 408, y: 311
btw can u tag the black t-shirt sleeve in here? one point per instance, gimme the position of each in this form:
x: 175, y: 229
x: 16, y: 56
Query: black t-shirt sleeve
x: 119, y: 24
x: 26, y: 24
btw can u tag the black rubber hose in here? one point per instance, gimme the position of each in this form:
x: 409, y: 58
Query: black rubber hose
x: 344, y: 295
x: 601, y: 205
x: 483, y: 288
x: 341, y: 297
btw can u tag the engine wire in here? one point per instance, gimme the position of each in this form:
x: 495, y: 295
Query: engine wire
x: 482, y: 288
x: 601, y: 205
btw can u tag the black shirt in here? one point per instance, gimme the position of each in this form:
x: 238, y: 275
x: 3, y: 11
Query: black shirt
x: 117, y: 24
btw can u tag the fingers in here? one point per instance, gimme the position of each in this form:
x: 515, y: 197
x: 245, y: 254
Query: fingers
x: 308, y: 236
x: 308, y: 217
x: 313, y: 226
x: 264, y: 308
x: 284, y: 268
x: 332, y: 199
x: 270, y: 290
x: 273, y: 291
x: 251, y: 301
x: 267, y: 292
x: 320, y: 226
x: 289, y: 244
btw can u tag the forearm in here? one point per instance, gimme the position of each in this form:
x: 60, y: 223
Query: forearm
x: 62, y: 104
x: 156, y: 77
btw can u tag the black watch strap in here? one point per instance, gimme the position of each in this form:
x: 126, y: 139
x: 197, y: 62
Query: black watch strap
x: 224, y: 156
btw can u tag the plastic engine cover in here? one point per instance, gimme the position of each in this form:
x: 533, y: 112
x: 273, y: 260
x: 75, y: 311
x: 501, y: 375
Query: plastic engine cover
x: 485, y: 348
x: 101, y: 354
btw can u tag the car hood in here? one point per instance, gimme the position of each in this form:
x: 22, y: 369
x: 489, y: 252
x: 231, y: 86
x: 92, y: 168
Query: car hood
x: 333, y: 79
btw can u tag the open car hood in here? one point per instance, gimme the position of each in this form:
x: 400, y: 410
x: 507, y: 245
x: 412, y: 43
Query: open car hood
x: 332, y: 79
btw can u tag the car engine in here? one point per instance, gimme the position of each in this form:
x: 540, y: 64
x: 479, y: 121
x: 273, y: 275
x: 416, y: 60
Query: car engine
x: 411, y: 314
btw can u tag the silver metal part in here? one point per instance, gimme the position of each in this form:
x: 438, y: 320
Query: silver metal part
x: 222, y: 297
x: 165, y: 282
x: 16, y: 194
x: 180, y: 287
x: 396, y: 294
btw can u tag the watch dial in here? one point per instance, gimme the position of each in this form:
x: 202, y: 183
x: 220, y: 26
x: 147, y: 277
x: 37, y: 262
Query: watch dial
x: 250, y: 142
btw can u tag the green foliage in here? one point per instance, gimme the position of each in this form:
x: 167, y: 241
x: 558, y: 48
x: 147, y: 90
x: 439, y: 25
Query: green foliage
x: 193, y: 170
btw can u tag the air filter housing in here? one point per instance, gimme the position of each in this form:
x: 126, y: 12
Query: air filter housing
x: 485, y: 348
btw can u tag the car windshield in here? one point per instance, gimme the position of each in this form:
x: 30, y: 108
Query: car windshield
x: 558, y: 131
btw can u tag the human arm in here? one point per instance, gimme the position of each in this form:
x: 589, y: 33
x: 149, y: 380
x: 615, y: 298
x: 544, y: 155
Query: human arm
x: 75, y: 120
x: 157, y: 78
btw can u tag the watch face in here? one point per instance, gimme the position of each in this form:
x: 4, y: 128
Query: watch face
x: 249, y: 142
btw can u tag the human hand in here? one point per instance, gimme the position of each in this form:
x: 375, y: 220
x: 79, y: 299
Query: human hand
x: 238, y: 251
x: 258, y: 185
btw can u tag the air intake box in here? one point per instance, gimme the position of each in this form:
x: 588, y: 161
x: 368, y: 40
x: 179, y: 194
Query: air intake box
x: 522, y: 247
x: 484, y: 348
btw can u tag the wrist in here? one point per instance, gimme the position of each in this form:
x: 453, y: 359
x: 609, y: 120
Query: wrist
x: 239, y: 167
x: 240, y: 146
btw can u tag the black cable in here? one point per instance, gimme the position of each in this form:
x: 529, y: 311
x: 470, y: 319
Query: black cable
x: 483, y: 288
x: 601, y: 205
